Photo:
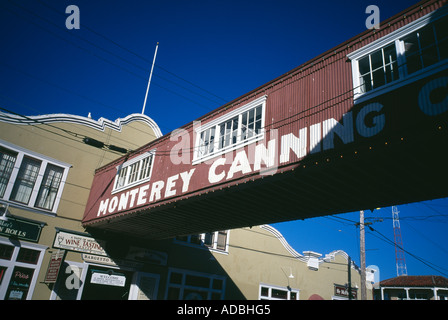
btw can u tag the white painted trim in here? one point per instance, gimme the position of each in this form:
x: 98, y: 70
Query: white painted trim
x: 392, y: 37
x: 101, y: 124
x: 226, y: 117
x: 10, y: 264
x: 45, y: 160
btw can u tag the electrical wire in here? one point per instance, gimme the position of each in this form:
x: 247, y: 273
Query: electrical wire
x: 114, y: 55
x: 425, y: 262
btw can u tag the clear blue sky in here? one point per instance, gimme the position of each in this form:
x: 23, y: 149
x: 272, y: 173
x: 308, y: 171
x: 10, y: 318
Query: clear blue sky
x: 210, y: 52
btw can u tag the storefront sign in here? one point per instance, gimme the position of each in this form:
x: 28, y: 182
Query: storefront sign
x: 116, y: 280
x: 90, y: 258
x: 342, y: 291
x: 20, y: 229
x: 54, y: 266
x: 76, y: 242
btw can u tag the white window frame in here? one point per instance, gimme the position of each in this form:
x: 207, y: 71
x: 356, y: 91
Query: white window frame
x: 198, y: 158
x: 271, y: 287
x: 396, y: 38
x: 44, y: 162
x: 12, y: 263
x: 128, y: 164
x: 213, y: 247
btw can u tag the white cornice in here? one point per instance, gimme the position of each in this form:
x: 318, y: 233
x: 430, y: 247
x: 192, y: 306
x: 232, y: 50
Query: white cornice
x: 99, y: 124
x: 328, y: 257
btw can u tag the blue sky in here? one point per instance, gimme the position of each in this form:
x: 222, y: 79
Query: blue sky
x: 210, y: 52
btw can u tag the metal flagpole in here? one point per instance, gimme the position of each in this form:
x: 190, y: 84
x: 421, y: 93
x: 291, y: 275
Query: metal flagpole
x: 150, y: 76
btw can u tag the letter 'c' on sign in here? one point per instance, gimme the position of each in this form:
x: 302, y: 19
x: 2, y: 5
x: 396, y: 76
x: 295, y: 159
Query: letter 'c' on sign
x: 212, y: 176
x: 433, y: 97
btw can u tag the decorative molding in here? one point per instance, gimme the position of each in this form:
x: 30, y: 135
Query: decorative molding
x: 304, y: 258
x: 99, y: 124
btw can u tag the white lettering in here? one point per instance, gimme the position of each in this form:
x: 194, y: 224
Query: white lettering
x: 343, y: 131
x: 142, y: 194
x: 267, y: 155
x: 171, y: 183
x: 212, y: 176
x: 123, y: 201
x: 132, y: 193
x: 186, y: 177
x: 240, y: 163
x: 113, y: 204
x: 291, y: 142
x: 315, y: 137
x: 103, y: 207
x: 156, y: 190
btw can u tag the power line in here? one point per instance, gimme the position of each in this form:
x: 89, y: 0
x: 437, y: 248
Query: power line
x: 425, y: 262
x: 108, y: 60
x: 129, y: 51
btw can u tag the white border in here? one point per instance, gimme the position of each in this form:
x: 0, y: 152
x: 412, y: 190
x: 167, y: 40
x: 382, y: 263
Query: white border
x: 227, y: 116
x: 130, y: 162
x: 395, y: 36
x: 10, y: 264
x: 45, y: 161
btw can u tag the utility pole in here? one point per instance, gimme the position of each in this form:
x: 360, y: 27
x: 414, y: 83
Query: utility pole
x: 349, y: 271
x: 362, y: 247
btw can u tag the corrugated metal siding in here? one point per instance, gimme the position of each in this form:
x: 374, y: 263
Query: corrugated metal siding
x: 312, y: 93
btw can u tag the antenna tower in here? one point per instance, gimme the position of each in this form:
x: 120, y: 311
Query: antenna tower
x: 399, y: 252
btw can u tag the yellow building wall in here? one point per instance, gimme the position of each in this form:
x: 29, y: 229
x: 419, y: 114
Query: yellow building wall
x: 62, y: 141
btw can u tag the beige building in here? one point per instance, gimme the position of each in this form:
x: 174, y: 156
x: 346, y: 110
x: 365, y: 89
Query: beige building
x: 46, y: 170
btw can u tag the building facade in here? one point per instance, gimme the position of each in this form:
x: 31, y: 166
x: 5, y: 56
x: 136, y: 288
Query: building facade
x: 47, y: 165
x: 47, y: 168
x: 412, y: 288
x: 303, y: 145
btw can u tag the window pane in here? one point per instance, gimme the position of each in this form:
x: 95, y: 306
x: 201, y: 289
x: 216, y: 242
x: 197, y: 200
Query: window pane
x: 49, y: 187
x: 378, y: 78
x: 364, y: 65
x: 279, y: 294
x: 28, y: 256
x: 258, y: 120
x: 6, y: 251
x: 176, y: 278
x: 121, y: 180
x: 412, y: 51
x: 19, y: 284
x: 7, y: 160
x: 428, y: 46
x: 222, y: 240
x: 208, y: 239
x: 133, y: 174
x: 197, y: 281
x: 442, y: 37
x: 264, y: 292
x: 390, y: 59
x: 25, y: 181
x: 377, y: 59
